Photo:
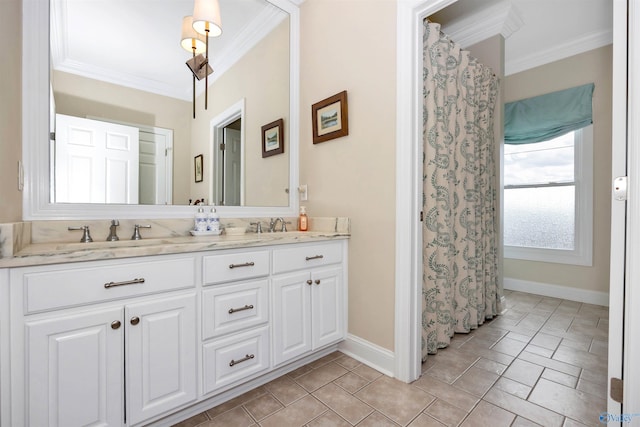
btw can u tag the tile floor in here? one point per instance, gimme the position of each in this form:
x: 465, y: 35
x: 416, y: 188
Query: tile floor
x: 543, y: 362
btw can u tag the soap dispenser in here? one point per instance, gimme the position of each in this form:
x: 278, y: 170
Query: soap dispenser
x: 213, y: 220
x: 201, y: 220
x: 303, y: 221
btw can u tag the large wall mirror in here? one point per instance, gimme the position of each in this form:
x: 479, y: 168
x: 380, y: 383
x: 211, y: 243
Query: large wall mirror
x: 116, y: 67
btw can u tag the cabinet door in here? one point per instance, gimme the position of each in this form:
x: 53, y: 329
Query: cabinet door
x: 74, y: 369
x: 291, y: 316
x: 327, y: 306
x: 161, y: 356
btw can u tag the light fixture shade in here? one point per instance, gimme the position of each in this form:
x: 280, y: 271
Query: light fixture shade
x: 206, y: 15
x: 190, y: 38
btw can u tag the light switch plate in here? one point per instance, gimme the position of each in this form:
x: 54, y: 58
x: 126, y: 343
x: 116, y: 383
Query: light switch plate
x: 304, y: 195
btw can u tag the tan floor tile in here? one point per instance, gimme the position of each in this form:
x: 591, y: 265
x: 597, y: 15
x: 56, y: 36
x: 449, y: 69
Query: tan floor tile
x: 476, y: 381
x: 347, y: 362
x: 399, y: 401
x: 262, y: 406
x: 560, y: 377
x: 366, y: 372
x: 325, y: 359
x: 490, y: 365
x: 568, y: 422
x: 598, y: 390
x: 237, y: 417
x: 377, y: 420
x: 523, y: 408
x: 452, y: 395
x: 424, y: 420
x: 589, y: 331
x: 533, y: 321
x: 193, y: 421
x: 329, y: 419
x: 572, y: 403
x: 285, y: 390
x: 237, y: 401
x: 600, y: 348
x: 315, y: 379
x: 300, y: 371
x: 598, y: 377
x: 513, y: 387
x: 343, y: 403
x: 540, y: 351
x: 550, y: 363
x: 496, y: 356
x: 486, y: 411
x: 523, y: 372
x: 519, y: 337
x: 509, y: 346
x: 448, y: 370
x: 446, y: 413
x: 297, y: 414
x: 523, y: 422
x: 580, y: 358
x: 351, y: 382
x: 547, y: 341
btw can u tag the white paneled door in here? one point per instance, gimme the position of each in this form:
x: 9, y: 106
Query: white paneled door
x: 95, y: 161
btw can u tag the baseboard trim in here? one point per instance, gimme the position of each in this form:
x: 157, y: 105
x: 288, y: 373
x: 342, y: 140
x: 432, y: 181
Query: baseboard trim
x: 557, y: 291
x: 370, y: 354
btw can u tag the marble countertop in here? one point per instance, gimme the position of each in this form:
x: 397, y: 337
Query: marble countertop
x: 56, y: 253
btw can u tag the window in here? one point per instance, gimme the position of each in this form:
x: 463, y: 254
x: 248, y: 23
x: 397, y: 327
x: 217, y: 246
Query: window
x: 548, y: 199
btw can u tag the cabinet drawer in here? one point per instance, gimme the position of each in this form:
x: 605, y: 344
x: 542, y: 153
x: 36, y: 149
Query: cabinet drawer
x: 235, y: 266
x: 237, y: 357
x: 299, y: 257
x: 231, y: 308
x: 48, y: 289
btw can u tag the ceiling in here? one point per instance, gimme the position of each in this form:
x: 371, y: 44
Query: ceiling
x: 536, y: 31
x: 136, y: 43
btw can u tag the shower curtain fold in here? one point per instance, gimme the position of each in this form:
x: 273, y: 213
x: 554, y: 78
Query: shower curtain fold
x: 459, y: 191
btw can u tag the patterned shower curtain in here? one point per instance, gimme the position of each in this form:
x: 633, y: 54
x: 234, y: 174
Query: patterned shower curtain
x: 459, y: 283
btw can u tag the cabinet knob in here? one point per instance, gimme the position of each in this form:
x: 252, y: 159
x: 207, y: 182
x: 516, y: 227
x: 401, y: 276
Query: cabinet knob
x: 135, y: 320
x: 317, y: 281
x: 115, y: 324
x: 309, y: 282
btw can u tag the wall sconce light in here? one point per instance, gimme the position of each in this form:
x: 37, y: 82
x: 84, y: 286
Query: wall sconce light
x: 207, y: 22
x: 195, y: 43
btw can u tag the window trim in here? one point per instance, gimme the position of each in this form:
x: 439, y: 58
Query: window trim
x: 583, y: 252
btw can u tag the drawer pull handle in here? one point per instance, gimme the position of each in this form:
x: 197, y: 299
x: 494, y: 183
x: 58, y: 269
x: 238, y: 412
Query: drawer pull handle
x: 126, y: 282
x: 309, y: 282
x: 246, y: 307
x: 135, y: 320
x: 115, y: 324
x: 244, y: 359
x: 317, y: 281
x: 309, y: 258
x: 246, y: 264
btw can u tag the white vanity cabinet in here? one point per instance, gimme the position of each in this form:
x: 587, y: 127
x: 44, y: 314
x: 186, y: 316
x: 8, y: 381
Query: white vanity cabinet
x: 121, y: 349
x: 308, y: 303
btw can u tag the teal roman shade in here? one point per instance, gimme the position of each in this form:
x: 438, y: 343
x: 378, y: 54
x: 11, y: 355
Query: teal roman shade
x: 548, y: 116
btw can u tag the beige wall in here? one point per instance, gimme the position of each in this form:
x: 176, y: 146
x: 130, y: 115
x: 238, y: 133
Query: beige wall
x: 79, y: 96
x: 261, y: 77
x: 351, y: 45
x: 10, y: 109
x: 593, y: 66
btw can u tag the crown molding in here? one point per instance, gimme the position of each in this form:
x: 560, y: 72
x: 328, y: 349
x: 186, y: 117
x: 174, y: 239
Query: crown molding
x: 502, y: 18
x: 558, y: 52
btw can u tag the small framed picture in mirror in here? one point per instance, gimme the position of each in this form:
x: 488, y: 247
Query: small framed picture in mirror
x: 330, y: 118
x: 273, y: 138
x: 198, y: 167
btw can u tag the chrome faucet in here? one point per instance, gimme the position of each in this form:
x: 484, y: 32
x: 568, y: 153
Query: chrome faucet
x: 274, y: 221
x: 258, y: 226
x: 136, y: 231
x: 86, y: 237
x: 112, y: 231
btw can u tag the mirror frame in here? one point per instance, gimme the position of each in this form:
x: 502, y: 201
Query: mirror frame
x: 36, y: 99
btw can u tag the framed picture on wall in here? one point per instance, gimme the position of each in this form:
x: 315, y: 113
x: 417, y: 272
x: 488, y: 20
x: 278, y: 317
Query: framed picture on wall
x: 330, y: 118
x: 198, y: 167
x: 273, y: 138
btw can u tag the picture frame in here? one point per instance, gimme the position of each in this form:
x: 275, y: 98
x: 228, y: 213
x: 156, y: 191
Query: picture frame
x: 330, y: 118
x: 273, y: 138
x: 198, y: 167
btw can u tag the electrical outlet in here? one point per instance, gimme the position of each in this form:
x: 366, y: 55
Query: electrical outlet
x: 304, y: 195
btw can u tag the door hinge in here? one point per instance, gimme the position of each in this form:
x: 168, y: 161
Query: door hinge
x: 616, y: 389
x: 620, y: 188
x: 421, y: 216
x: 52, y: 136
x: 222, y: 146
